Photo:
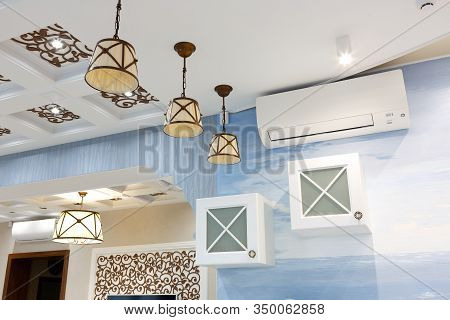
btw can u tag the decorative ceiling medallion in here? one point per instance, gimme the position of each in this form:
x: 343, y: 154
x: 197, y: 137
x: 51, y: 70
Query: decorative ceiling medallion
x: 54, y: 113
x: 4, y: 131
x: 138, y: 96
x: 69, y: 50
x: 3, y: 79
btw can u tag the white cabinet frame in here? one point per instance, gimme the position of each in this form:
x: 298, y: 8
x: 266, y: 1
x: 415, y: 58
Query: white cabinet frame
x: 354, y: 220
x: 259, y: 247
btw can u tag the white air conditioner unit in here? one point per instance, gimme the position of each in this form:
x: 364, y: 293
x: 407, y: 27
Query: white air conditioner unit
x: 27, y: 231
x: 343, y: 109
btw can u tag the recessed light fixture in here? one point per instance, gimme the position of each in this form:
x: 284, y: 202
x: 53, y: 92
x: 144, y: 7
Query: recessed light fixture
x: 128, y: 94
x: 57, y: 43
x: 344, y: 50
x: 55, y: 109
x: 345, y: 59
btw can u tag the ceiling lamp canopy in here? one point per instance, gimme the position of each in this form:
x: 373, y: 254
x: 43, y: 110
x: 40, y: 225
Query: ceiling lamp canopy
x: 113, y: 66
x: 224, y: 147
x: 183, y: 117
x: 79, y: 226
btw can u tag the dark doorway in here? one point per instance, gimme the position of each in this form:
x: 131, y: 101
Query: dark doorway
x: 36, y: 276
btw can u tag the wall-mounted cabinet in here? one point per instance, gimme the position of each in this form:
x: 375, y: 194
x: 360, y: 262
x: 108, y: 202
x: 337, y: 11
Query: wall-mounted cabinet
x: 234, y: 231
x: 327, y: 196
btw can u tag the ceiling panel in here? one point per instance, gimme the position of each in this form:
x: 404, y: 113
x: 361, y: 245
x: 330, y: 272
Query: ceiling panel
x: 152, y: 192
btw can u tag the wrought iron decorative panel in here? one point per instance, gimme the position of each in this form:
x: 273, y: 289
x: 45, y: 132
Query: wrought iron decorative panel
x: 47, y: 112
x: 138, y: 96
x: 3, y: 79
x: 4, y: 131
x: 39, y: 41
x: 167, y: 272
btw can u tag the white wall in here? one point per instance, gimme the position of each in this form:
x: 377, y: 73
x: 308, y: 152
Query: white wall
x: 151, y: 225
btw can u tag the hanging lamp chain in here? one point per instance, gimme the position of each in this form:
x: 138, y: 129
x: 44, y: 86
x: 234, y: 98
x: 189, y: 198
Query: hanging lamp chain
x: 223, y: 114
x: 82, y: 195
x: 118, y: 8
x: 184, y: 78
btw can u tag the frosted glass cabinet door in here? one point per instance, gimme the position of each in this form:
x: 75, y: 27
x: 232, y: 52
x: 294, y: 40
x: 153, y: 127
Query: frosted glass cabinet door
x: 327, y: 195
x: 226, y: 229
x: 234, y: 231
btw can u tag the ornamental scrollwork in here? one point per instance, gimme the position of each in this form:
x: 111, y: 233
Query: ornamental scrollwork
x: 54, y: 113
x: 138, y: 96
x: 4, y: 131
x: 40, y: 41
x: 171, y: 272
x: 3, y: 79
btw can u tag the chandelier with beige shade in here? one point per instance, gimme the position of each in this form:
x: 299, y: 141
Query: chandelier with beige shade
x: 79, y: 226
x: 224, y: 147
x: 113, y: 66
x: 183, y: 118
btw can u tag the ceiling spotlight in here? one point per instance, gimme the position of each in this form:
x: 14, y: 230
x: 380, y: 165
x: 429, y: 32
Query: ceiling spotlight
x: 344, y: 50
x: 345, y: 59
x: 128, y: 94
x: 57, y: 43
x: 55, y: 110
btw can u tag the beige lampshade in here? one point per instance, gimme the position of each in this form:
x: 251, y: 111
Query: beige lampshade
x: 113, y: 67
x: 183, y: 118
x: 224, y: 149
x: 78, y: 227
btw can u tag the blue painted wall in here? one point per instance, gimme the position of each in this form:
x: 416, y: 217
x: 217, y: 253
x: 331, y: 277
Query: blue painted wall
x: 408, y: 186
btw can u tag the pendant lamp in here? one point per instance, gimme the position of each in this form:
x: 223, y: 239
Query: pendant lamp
x: 113, y: 66
x: 79, y: 226
x: 183, y: 117
x: 224, y: 147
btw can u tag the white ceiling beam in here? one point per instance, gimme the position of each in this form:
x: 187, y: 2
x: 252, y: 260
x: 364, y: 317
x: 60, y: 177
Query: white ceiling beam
x: 91, y: 112
x: 75, y: 86
x: 19, y: 71
x: 22, y: 102
x: 25, y: 128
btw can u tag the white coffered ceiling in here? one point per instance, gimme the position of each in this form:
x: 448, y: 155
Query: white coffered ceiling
x: 131, y: 196
x: 257, y: 46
